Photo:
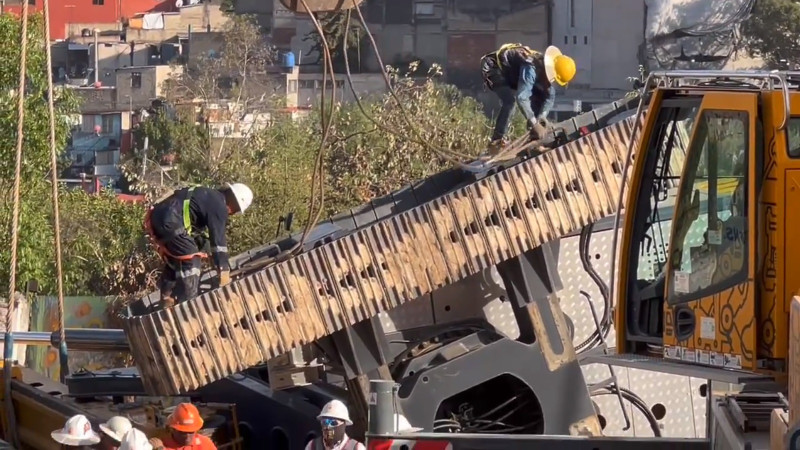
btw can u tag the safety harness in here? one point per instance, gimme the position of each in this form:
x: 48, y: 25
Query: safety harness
x: 187, y: 225
x: 492, y: 65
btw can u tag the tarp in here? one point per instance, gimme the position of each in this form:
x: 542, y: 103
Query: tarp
x: 693, y: 34
x: 153, y: 21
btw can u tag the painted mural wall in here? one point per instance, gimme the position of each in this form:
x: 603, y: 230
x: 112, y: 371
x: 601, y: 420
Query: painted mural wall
x: 80, y: 312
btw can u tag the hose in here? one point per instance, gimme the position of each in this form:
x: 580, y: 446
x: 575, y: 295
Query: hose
x: 636, y: 401
x: 606, y: 322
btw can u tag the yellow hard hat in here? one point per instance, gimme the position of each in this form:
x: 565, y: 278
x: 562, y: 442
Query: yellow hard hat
x: 559, y: 67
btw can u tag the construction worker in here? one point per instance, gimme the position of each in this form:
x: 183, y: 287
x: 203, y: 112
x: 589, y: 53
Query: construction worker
x: 175, y: 225
x: 333, y: 419
x: 184, y: 424
x: 77, y: 433
x: 135, y: 440
x: 520, y: 75
x: 113, y: 432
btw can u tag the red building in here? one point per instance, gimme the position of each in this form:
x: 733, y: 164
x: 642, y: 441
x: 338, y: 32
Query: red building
x: 91, y: 12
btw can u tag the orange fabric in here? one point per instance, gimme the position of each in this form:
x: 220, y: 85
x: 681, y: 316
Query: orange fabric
x: 186, y: 418
x: 199, y: 442
x: 160, y: 248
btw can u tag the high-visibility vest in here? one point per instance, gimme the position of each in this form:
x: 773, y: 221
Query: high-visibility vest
x: 187, y: 217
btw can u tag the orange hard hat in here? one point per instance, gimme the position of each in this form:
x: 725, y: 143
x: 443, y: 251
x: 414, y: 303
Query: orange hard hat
x: 185, y: 418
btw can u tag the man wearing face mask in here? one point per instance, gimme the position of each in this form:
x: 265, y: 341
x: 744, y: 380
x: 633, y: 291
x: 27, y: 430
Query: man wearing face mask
x: 333, y: 419
x: 76, y: 434
x: 184, y: 424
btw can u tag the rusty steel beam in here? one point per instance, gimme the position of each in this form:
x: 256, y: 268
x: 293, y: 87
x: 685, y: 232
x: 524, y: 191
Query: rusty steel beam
x: 380, y: 266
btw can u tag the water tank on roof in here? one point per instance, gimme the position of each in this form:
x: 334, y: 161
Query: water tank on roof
x: 288, y: 61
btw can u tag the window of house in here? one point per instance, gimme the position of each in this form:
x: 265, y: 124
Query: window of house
x: 307, y: 84
x: 98, y: 2
x: 292, y: 86
x: 136, y: 80
x: 108, y: 123
x: 423, y: 9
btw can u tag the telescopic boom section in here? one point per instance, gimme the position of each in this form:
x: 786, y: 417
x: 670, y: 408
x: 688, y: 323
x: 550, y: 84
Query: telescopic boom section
x: 382, y: 265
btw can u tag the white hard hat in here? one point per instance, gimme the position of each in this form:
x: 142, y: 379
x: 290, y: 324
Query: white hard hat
x: 402, y: 425
x: 116, y: 427
x: 77, y: 431
x: 243, y: 195
x: 135, y: 440
x: 335, y: 409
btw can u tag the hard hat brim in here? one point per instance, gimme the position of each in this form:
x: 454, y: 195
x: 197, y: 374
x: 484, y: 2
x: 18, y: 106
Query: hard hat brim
x: 109, y: 432
x: 65, y: 439
x: 550, y: 55
x: 236, y: 198
x: 187, y: 428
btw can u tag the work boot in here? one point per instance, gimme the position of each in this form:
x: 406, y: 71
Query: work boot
x: 167, y: 302
x: 495, y: 146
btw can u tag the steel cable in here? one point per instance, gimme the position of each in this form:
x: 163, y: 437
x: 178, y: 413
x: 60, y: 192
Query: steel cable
x: 12, y: 281
x: 54, y: 176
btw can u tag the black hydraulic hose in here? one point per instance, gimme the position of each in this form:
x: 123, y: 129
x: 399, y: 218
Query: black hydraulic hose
x: 606, y: 321
x: 636, y: 401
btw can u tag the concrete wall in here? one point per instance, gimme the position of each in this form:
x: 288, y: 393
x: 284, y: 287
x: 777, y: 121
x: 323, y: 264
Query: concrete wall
x: 303, y: 90
x: 604, y: 39
x: 199, y: 17
x: 617, y: 36
x: 150, y: 85
x: 115, y: 55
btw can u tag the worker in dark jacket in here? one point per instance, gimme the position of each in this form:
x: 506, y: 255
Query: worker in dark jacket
x: 175, y: 226
x: 520, y: 75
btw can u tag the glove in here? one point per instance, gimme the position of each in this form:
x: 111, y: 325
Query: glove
x: 537, y: 130
x: 156, y: 443
x: 224, y: 277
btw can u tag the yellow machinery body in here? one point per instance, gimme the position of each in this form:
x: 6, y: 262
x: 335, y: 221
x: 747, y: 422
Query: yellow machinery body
x: 705, y: 269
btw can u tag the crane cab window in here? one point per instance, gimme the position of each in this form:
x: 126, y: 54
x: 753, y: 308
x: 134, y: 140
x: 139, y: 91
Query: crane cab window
x: 709, y: 243
x: 793, y: 137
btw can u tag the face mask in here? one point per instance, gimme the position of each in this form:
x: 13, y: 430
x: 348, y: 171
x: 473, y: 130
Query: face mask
x: 333, y: 435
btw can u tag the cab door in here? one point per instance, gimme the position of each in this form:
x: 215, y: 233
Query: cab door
x: 710, y: 307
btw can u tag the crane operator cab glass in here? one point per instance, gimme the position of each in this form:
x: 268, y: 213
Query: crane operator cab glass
x: 690, y: 235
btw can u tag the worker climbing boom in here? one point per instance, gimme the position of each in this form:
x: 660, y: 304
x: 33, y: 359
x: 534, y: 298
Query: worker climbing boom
x: 380, y: 266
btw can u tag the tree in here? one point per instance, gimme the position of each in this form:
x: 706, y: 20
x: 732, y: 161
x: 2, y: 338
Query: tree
x: 773, y: 32
x: 35, y: 251
x: 334, y: 26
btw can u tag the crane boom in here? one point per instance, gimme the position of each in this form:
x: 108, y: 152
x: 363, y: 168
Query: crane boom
x: 416, y: 250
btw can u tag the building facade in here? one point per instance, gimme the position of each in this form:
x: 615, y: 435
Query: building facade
x: 606, y: 41
x: 66, y: 15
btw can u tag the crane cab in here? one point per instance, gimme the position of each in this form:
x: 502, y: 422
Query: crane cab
x: 712, y: 222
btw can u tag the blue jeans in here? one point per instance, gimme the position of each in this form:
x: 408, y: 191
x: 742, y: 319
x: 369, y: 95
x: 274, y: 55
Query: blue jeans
x: 533, y: 103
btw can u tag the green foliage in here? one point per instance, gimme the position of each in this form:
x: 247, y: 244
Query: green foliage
x: 35, y: 250
x: 108, y: 253
x: 367, y: 161
x: 773, y: 31
x: 361, y: 160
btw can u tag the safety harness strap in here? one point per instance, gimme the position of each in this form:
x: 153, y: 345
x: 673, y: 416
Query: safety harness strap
x: 505, y: 47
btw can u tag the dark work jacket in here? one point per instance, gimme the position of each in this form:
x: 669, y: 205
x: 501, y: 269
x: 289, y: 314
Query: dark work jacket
x: 207, y: 211
x: 511, y: 62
